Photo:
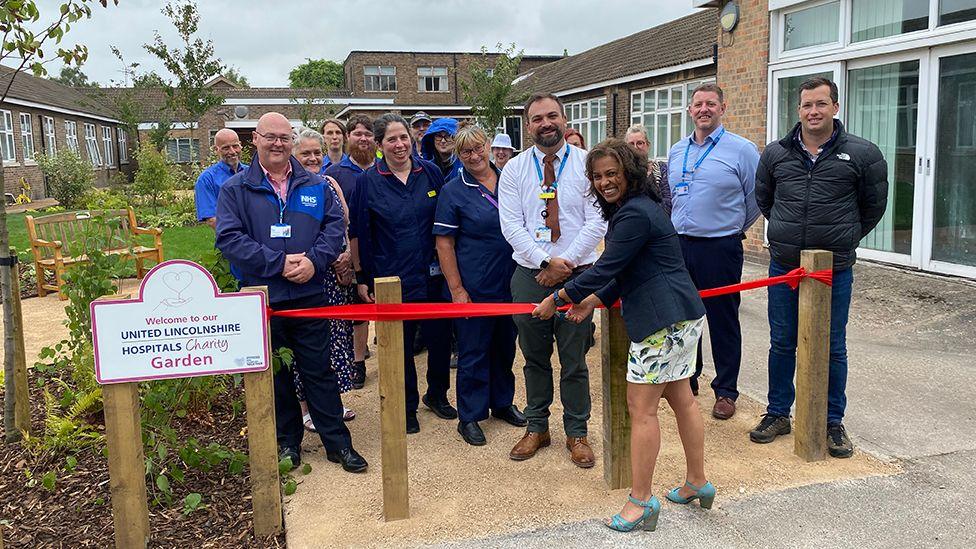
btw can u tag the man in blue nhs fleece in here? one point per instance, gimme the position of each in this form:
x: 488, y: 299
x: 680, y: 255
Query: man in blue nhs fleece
x: 712, y: 174
x: 280, y: 228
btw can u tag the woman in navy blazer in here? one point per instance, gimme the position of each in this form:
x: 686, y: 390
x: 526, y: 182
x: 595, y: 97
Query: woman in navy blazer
x: 664, y: 316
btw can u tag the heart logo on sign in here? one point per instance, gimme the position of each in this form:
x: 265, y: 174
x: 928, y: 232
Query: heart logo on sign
x: 177, y: 281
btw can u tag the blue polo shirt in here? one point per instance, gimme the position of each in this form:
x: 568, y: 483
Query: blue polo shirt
x: 468, y: 211
x: 326, y: 162
x: 208, y: 185
x: 394, y: 222
x: 721, y: 193
x: 345, y: 173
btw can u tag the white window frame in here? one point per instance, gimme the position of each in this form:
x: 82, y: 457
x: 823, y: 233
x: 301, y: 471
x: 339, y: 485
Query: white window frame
x: 109, y: 145
x: 428, y: 77
x: 194, y: 150
x: 123, y: 146
x: 27, y: 136
x: 637, y: 115
x: 71, y: 136
x: 50, y: 135
x: 843, y: 30
x: 7, y: 135
x: 379, y: 76
x: 583, y: 124
x: 91, y: 145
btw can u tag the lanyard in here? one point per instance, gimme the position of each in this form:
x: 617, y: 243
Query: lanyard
x: 538, y: 169
x: 489, y: 198
x: 684, y: 166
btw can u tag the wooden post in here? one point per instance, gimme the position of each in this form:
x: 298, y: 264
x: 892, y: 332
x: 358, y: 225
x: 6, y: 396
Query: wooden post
x: 21, y: 390
x: 126, y: 464
x: 393, y: 414
x: 262, y: 445
x: 614, y: 345
x: 812, y: 359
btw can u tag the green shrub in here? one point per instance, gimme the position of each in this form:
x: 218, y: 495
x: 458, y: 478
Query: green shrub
x: 101, y: 199
x: 154, y: 178
x: 68, y: 176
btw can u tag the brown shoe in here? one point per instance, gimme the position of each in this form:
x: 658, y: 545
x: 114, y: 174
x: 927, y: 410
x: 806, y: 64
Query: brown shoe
x: 529, y: 445
x: 580, y: 452
x: 724, y: 408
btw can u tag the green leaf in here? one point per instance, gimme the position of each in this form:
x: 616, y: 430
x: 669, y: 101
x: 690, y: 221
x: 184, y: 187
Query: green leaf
x: 191, y: 502
x: 285, y: 465
x: 163, y: 484
x: 71, y: 462
x: 290, y: 487
x: 177, y: 475
x: 306, y: 469
x: 47, y: 481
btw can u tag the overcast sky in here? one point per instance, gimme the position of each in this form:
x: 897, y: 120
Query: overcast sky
x: 265, y: 40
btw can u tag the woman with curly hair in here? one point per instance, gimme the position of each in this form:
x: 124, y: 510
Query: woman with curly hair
x: 663, y: 314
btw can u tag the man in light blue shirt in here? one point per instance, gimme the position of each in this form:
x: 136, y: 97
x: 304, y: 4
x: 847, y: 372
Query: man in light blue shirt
x: 228, y: 146
x: 712, y: 175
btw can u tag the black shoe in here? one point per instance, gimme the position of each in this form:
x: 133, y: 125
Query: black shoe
x: 838, y: 443
x: 349, y: 458
x: 413, y: 425
x: 293, y: 452
x: 454, y: 361
x: 471, y: 433
x: 769, y: 428
x: 511, y: 415
x: 590, y: 343
x: 694, y: 386
x: 358, y: 374
x: 418, y: 343
x: 441, y: 408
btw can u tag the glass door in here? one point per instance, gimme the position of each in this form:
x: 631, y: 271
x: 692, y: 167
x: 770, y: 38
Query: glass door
x: 951, y: 201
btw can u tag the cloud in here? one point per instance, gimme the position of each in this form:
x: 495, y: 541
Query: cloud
x: 266, y: 40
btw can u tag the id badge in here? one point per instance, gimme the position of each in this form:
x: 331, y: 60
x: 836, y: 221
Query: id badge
x: 543, y: 235
x: 280, y: 230
x: 547, y: 196
x: 435, y: 269
x: 681, y: 189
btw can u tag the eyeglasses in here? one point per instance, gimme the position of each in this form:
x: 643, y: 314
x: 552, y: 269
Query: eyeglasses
x: 284, y: 139
x: 468, y: 153
x: 444, y: 138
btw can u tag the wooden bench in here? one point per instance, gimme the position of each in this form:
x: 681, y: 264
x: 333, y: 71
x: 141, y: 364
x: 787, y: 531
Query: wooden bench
x: 52, y: 236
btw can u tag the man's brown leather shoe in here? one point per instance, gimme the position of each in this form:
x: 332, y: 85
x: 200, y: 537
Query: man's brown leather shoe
x: 529, y: 445
x: 580, y: 452
x: 724, y: 408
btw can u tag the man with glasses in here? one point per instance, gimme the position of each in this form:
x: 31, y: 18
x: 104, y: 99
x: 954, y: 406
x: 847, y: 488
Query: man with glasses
x: 437, y: 146
x: 553, y: 228
x: 419, y: 124
x: 227, y: 145
x: 281, y: 228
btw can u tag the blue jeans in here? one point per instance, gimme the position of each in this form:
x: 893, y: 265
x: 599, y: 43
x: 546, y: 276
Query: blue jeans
x: 782, y: 311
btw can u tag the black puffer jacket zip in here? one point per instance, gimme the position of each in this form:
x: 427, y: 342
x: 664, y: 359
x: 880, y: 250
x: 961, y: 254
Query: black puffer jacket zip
x: 829, y: 206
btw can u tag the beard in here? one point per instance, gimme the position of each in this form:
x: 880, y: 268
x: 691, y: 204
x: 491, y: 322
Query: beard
x: 548, y: 141
x: 363, y: 157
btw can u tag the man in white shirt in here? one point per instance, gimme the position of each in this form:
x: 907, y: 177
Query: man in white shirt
x: 554, y: 229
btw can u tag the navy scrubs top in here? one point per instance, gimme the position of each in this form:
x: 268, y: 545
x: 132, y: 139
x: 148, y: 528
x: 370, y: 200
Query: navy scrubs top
x: 469, y: 212
x: 394, y: 225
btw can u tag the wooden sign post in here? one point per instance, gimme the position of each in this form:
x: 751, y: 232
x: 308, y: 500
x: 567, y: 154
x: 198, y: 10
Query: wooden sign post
x: 812, y: 359
x: 20, y: 383
x: 181, y: 326
x: 393, y: 414
x: 614, y: 345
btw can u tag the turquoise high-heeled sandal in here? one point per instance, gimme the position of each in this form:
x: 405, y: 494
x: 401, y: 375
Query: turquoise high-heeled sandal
x: 652, y: 508
x: 705, y: 495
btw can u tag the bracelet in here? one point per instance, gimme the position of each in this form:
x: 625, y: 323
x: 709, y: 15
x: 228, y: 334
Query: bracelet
x: 557, y: 300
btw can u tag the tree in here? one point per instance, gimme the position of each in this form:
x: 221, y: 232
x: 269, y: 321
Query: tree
x: 317, y: 73
x: 235, y: 76
x: 72, y: 76
x: 192, y: 66
x: 148, y: 80
x: 490, y: 94
x: 315, y: 107
x: 23, y: 48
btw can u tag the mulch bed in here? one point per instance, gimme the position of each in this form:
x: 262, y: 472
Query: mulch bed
x: 78, y: 512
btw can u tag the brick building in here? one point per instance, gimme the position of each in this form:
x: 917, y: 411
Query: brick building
x: 43, y: 116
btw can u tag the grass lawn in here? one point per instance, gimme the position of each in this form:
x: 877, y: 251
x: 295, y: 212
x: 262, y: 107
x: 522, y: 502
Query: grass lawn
x: 178, y: 242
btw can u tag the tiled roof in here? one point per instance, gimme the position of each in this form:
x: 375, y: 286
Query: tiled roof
x: 681, y: 41
x: 27, y: 87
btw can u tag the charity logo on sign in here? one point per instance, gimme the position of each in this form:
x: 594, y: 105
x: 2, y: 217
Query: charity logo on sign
x: 179, y: 326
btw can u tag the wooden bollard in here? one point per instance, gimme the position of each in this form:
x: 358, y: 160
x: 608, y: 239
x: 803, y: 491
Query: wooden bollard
x: 262, y: 445
x: 20, y: 382
x: 614, y: 345
x: 812, y: 359
x: 393, y: 414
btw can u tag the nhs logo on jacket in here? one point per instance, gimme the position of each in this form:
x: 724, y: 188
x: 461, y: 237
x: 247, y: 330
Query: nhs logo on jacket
x: 310, y: 201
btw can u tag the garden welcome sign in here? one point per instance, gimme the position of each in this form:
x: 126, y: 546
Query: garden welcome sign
x: 179, y: 326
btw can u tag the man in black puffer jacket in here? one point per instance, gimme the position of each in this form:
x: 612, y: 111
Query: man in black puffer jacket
x: 819, y: 188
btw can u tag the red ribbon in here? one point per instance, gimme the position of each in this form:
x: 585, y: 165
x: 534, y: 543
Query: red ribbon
x: 429, y: 311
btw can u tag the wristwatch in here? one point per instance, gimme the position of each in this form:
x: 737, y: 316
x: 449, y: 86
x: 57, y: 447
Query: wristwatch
x: 558, y: 300
x: 545, y: 262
